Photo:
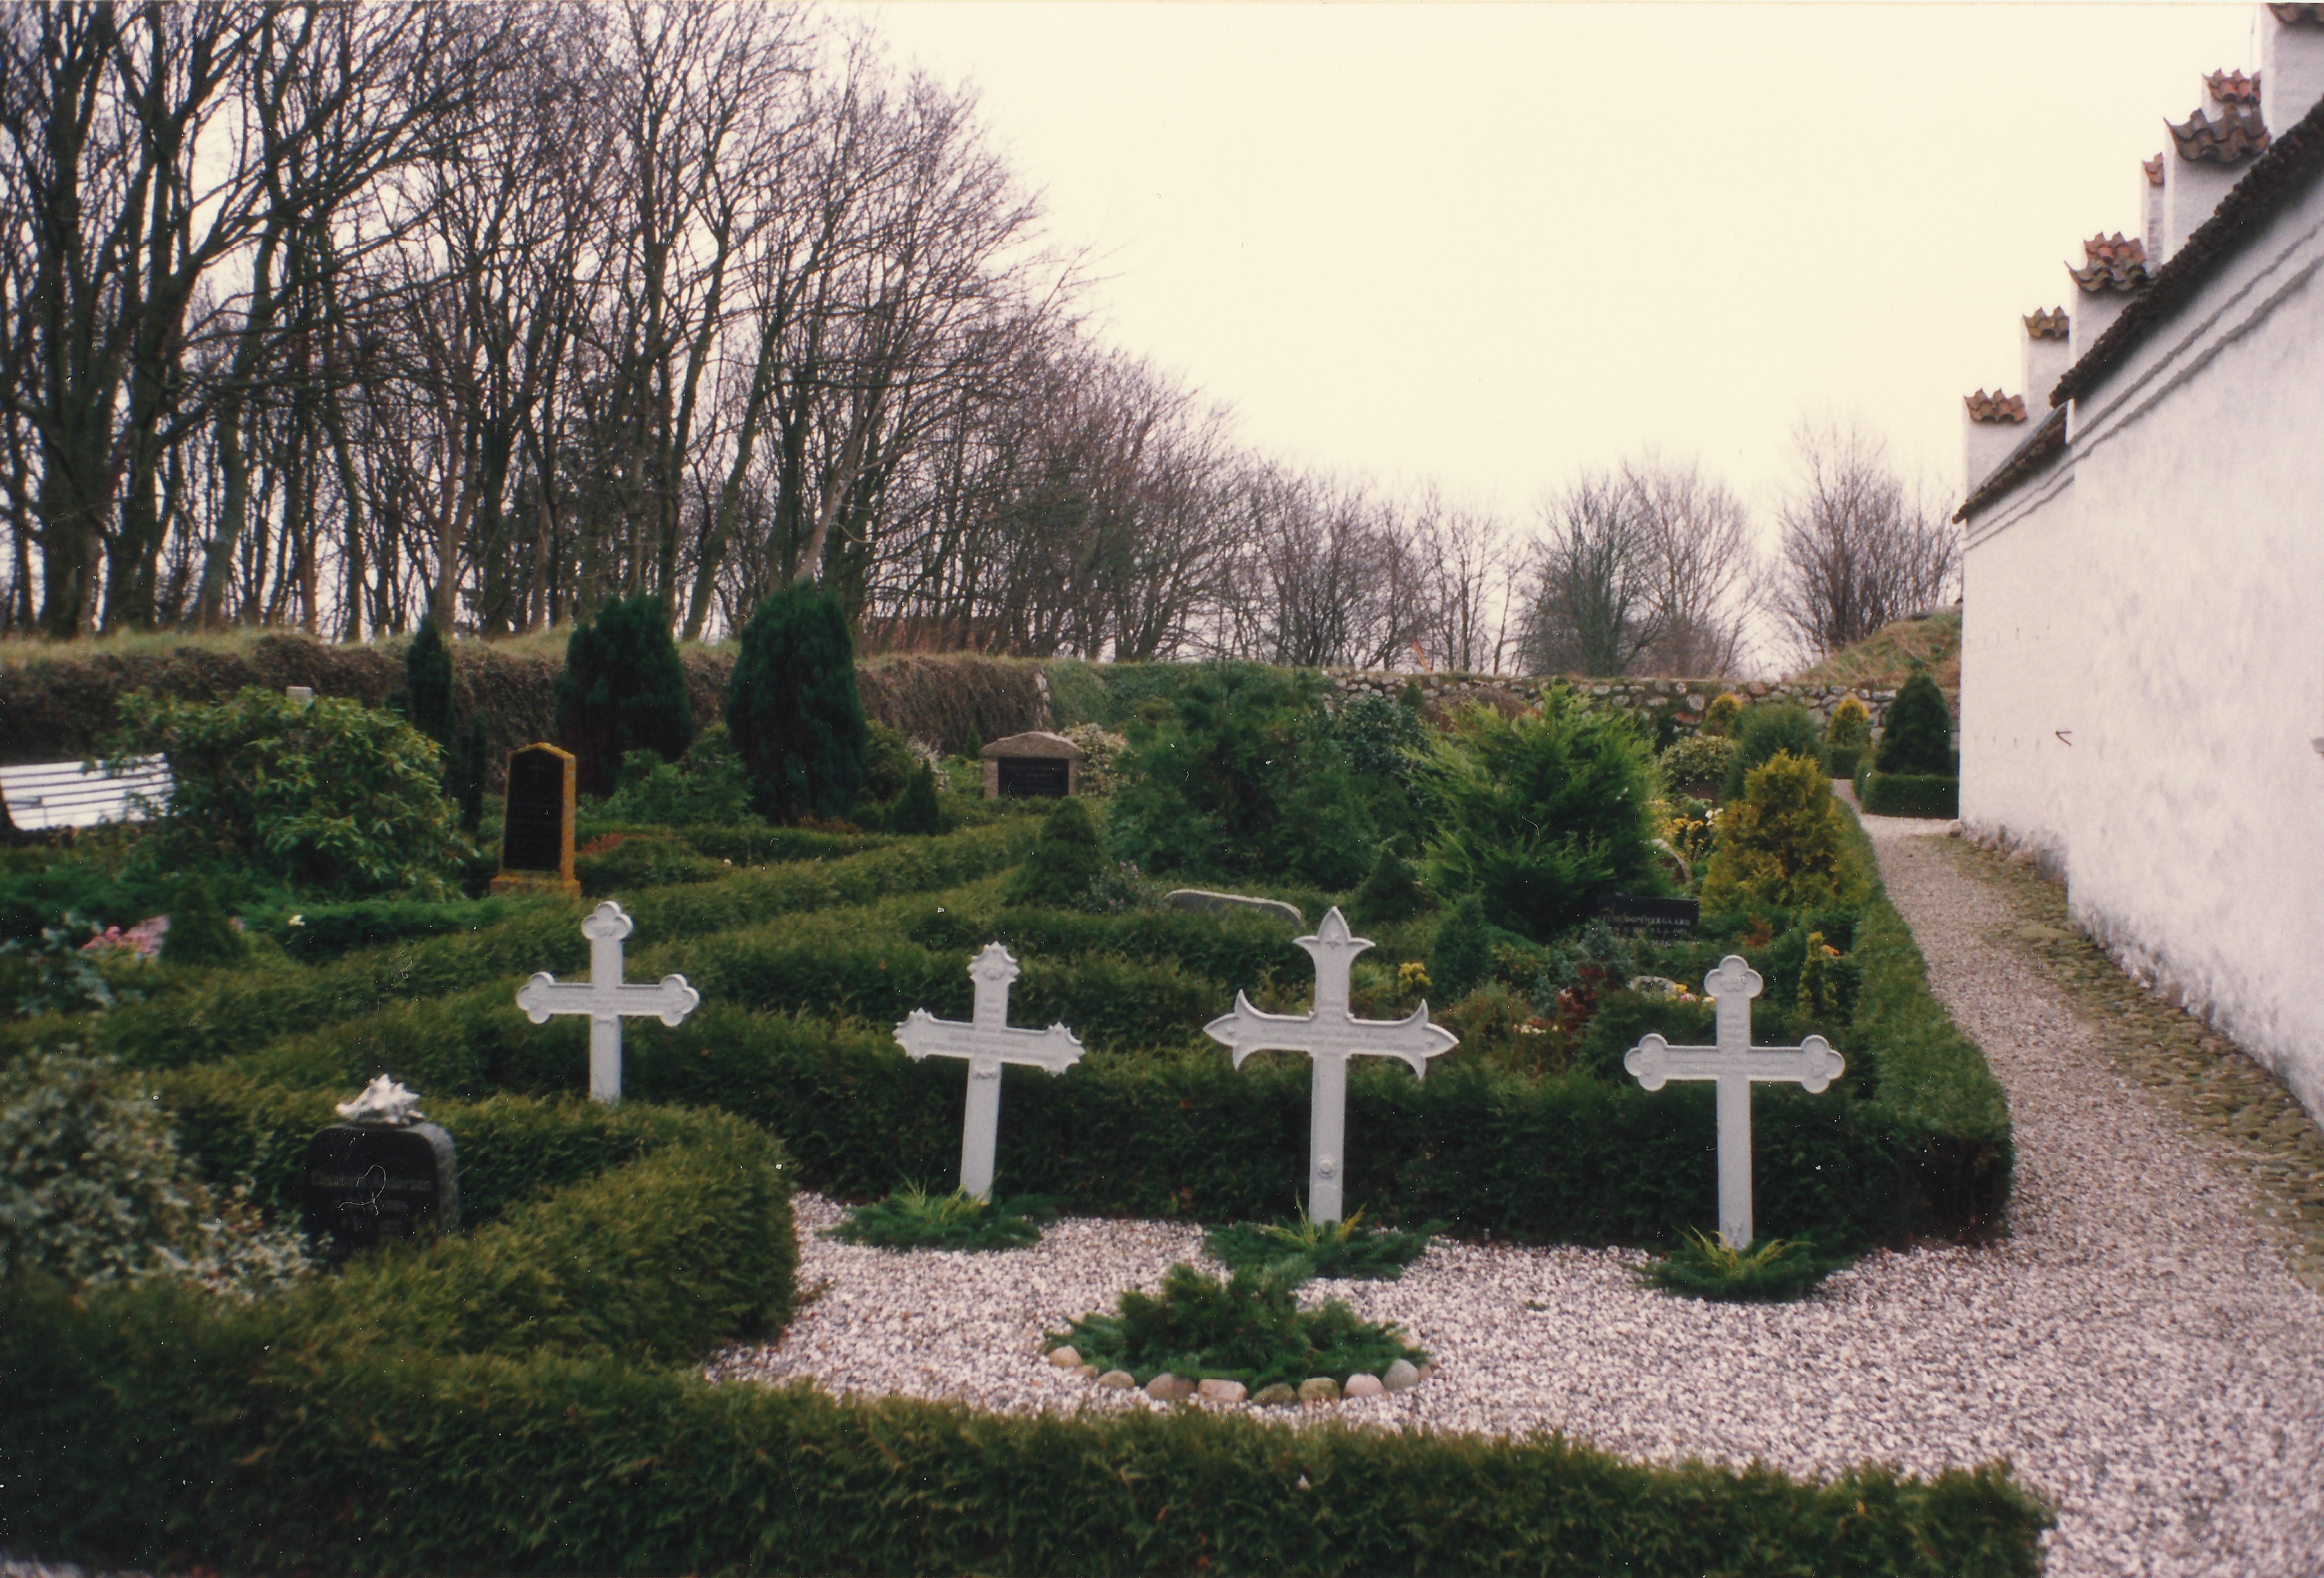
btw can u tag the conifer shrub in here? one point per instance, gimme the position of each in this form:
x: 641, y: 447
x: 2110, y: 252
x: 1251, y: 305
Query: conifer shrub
x: 199, y: 931
x: 1918, y: 735
x: 427, y: 684
x: 1353, y: 1248
x: 1780, y: 843
x: 793, y: 709
x: 1766, y: 1271
x: 1538, y: 813
x: 1850, y: 725
x: 1461, y: 956
x: 707, y: 786
x: 1719, y: 717
x: 332, y: 798
x: 1066, y: 857
x: 1762, y: 732
x: 1390, y: 893
x: 918, y: 813
x: 888, y: 760
x: 913, y: 1218
x: 1247, y: 1328
x: 622, y: 688
x: 1697, y: 760
x: 972, y: 744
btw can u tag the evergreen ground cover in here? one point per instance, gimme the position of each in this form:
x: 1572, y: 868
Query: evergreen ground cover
x: 554, y: 1342
x: 914, y: 1218
x: 1353, y: 1248
x: 1247, y: 1327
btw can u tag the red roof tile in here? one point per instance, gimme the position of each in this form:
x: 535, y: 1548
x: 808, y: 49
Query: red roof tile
x: 2052, y: 325
x: 2237, y: 133
x: 2233, y: 87
x: 2153, y: 168
x: 1996, y: 407
x: 2115, y: 264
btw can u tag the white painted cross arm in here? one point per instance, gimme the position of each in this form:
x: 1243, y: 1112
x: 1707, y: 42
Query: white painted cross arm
x: 923, y: 1035
x: 1412, y: 1037
x: 669, y: 999
x: 1811, y: 1065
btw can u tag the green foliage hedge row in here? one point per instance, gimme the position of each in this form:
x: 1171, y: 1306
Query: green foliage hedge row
x: 150, y: 1437
x: 206, y: 1020
x: 1910, y: 794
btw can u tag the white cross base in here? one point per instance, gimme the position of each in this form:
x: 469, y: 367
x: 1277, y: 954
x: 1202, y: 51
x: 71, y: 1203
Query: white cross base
x: 605, y: 999
x: 1330, y: 1034
x: 987, y: 1042
x: 1735, y: 1064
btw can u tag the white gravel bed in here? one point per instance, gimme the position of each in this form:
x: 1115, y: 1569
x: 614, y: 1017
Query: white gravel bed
x: 2135, y: 1349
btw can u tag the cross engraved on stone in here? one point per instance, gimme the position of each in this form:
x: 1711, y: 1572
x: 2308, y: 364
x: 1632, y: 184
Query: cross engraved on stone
x: 987, y: 1041
x: 606, y: 998
x: 1735, y: 1064
x: 1330, y: 1034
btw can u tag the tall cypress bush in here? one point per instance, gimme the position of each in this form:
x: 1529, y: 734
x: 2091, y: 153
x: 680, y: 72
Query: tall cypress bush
x: 1918, y: 737
x: 622, y: 688
x: 427, y: 684
x: 793, y: 710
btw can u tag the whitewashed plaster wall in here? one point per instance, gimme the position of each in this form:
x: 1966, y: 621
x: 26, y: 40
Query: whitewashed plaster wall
x: 2179, y: 584
x: 2024, y: 665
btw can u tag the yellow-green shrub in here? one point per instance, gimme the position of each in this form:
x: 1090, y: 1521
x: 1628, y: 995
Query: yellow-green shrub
x: 1850, y: 724
x: 1780, y: 843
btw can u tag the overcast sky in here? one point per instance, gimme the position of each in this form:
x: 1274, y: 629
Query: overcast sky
x: 1495, y: 244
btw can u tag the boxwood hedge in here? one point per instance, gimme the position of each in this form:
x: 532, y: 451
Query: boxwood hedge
x: 144, y: 1430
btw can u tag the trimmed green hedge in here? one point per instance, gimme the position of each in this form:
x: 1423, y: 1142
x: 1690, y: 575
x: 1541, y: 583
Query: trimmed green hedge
x: 1840, y: 761
x: 1910, y: 794
x: 149, y: 1432
x: 213, y: 1016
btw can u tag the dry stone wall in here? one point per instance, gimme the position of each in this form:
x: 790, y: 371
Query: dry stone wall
x: 1685, y: 699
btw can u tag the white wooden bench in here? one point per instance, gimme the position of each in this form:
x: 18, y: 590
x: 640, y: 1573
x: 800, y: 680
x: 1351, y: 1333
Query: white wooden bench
x: 44, y: 796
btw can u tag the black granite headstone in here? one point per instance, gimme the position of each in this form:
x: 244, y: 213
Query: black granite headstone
x: 532, y: 836
x: 1040, y: 776
x: 366, y: 1182
x: 1663, y: 920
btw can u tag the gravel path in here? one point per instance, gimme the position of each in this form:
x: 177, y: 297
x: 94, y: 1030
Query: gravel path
x: 2136, y: 1348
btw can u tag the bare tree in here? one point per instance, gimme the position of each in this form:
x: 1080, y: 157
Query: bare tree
x: 1694, y: 539
x: 1593, y: 609
x: 1469, y: 571
x: 1859, y: 547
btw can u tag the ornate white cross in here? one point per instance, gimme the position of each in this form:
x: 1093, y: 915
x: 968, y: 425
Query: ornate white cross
x: 1735, y: 1064
x: 1330, y: 1035
x: 605, y: 999
x: 987, y: 1041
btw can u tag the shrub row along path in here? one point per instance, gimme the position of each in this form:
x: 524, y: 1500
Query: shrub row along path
x: 2136, y: 1348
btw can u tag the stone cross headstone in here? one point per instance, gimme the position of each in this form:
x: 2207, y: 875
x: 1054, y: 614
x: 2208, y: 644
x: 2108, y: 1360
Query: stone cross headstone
x: 1734, y: 1064
x: 381, y: 1172
x: 987, y: 1041
x: 537, y: 825
x: 606, y: 998
x: 1330, y: 1034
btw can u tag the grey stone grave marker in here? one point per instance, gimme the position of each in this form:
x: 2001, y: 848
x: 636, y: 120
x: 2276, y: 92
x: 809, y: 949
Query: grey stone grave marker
x: 1663, y: 920
x: 379, y: 1173
x: 1330, y: 1034
x: 987, y: 1041
x: 1034, y: 763
x: 606, y: 998
x: 1735, y: 1064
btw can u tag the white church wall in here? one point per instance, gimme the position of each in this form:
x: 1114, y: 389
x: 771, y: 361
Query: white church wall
x: 2193, y: 815
x: 2023, y: 672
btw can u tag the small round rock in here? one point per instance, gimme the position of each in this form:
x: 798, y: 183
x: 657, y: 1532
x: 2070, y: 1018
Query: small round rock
x: 1320, y: 1389
x: 1218, y: 1391
x: 1274, y: 1396
x: 1365, y: 1386
x: 1117, y: 1380
x: 1400, y: 1376
x: 1167, y: 1388
x: 1065, y: 1357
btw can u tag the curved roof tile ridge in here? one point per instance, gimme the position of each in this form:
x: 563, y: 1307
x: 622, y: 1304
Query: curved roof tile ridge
x: 2114, y: 263
x: 1996, y: 407
x: 2052, y: 325
x: 2237, y: 133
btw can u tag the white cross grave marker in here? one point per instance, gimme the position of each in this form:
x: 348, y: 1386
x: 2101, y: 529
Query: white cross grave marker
x: 1735, y: 1064
x: 1330, y: 1034
x: 987, y: 1041
x: 605, y: 999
